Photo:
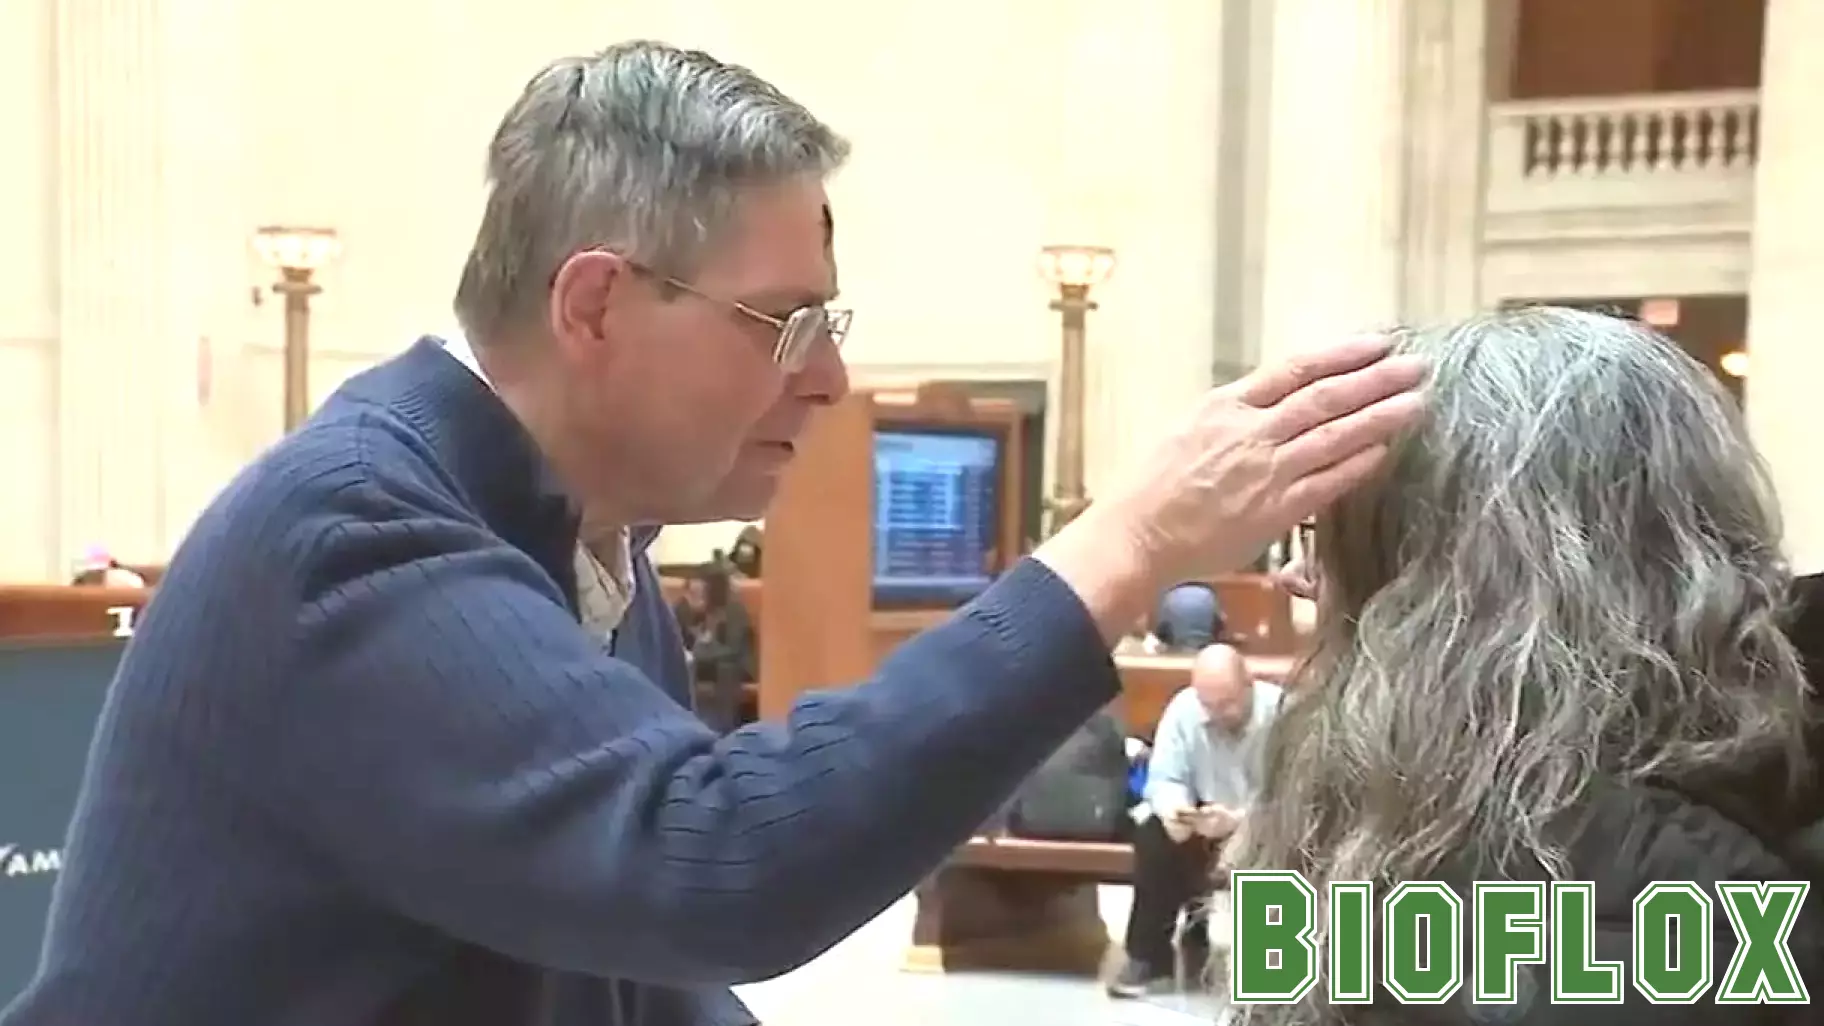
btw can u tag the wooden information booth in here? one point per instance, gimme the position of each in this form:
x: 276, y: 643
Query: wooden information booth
x: 821, y: 627
x: 999, y: 902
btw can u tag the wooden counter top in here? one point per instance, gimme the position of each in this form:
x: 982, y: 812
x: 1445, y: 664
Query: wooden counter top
x: 69, y: 611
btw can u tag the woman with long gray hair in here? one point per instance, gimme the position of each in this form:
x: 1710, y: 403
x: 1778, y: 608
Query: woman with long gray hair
x: 1549, y: 647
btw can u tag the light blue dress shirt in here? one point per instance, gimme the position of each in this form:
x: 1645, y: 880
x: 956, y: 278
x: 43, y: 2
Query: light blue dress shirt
x: 1197, y: 762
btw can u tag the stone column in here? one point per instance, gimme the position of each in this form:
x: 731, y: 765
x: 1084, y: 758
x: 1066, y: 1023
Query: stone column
x: 115, y: 222
x: 1335, y: 222
x: 1446, y: 128
x: 1785, y: 361
x: 1245, y: 94
x: 136, y: 196
x: 1138, y: 171
x: 209, y: 434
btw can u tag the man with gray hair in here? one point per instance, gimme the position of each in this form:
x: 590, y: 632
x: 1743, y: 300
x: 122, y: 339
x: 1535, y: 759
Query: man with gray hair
x: 433, y: 763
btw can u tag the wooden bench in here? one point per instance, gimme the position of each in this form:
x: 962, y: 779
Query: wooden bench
x: 1015, y: 903
x: 1018, y: 904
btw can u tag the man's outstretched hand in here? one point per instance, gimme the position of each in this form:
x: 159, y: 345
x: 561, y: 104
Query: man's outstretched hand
x: 1257, y: 456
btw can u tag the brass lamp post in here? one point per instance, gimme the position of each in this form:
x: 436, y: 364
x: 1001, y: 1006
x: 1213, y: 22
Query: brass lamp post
x: 297, y: 254
x: 1074, y: 270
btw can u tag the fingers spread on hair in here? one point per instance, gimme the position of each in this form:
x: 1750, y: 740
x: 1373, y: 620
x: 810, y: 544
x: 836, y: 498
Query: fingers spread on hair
x: 1272, y: 384
x: 1338, y: 440
x: 1315, y: 492
x: 1324, y: 402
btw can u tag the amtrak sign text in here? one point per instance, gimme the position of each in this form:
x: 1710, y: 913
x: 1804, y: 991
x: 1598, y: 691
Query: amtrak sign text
x: 17, y: 861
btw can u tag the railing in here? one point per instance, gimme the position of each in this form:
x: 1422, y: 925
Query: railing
x: 1663, y: 150
x: 1620, y: 195
x: 1665, y: 133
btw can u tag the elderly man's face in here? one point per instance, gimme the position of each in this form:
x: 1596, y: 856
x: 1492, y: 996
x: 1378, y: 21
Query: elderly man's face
x: 695, y: 416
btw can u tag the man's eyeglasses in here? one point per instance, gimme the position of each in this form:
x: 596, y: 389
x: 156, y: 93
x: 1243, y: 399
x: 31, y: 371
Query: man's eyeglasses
x: 798, y: 331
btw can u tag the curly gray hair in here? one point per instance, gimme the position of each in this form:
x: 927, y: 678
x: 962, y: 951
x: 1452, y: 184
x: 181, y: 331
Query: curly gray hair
x: 1569, y: 571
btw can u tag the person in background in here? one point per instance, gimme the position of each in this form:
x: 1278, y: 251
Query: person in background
x: 1189, y: 618
x: 745, y: 556
x: 692, y: 606
x: 1200, y: 781
x: 719, y: 635
x: 1551, y: 645
x: 98, y: 568
x: 402, y: 743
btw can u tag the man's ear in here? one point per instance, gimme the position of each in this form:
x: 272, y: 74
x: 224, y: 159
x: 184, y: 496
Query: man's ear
x: 580, y: 293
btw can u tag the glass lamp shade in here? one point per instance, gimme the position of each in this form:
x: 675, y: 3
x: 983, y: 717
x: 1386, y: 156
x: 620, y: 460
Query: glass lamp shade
x: 1076, y: 265
x: 297, y: 249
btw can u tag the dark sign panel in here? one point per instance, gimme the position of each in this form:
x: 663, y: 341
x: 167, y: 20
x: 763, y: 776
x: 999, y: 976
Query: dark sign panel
x: 50, y: 699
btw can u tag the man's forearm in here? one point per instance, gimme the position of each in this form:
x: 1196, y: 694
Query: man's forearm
x: 603, y: 829
x: 950, y: 727
x: 1107, y: 569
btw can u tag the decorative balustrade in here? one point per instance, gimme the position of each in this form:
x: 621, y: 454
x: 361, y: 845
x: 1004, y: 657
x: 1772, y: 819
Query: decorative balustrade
x: 1661, y: 149
x: 1667, y: 133
x: 1620, y: 195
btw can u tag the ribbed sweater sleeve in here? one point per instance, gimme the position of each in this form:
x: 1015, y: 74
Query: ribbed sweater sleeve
x: 472, y: 759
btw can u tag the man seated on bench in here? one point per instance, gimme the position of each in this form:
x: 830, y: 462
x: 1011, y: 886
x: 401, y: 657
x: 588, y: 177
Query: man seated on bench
x: 1203, y: 774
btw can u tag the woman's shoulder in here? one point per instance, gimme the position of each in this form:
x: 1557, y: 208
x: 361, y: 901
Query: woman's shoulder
x: 1624, y: 840
x: 1633, y: 838
x: 1638, y: 834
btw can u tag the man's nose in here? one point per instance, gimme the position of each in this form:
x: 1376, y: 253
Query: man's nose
x: 825, y: 377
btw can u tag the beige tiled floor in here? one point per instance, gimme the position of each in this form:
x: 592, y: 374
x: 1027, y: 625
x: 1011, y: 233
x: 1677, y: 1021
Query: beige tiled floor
x: 861, y: 977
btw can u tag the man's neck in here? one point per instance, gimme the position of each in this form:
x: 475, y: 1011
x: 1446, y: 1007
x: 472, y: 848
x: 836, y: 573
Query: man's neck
x: 524, y: 384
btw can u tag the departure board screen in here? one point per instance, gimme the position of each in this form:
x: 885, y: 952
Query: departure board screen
x: 936, y: 516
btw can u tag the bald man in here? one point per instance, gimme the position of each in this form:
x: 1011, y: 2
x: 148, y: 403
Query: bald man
x: 1204, y: 772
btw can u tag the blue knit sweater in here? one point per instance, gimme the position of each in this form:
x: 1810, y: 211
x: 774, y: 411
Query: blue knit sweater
x: 361, y: 766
